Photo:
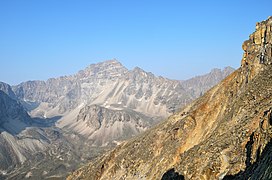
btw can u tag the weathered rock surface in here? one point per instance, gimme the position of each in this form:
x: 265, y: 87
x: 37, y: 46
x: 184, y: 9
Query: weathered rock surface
x: 224, y: 134
x: 105, y: 126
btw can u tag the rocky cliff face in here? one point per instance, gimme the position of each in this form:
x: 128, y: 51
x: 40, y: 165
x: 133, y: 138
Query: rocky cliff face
x: 106, y: 125
x: 225, y: 134
x: 13, y: 117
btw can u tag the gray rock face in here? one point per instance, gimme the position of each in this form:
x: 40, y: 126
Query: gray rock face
x: 107, y: 125
x: 8, y: 90
x: 13, y: 117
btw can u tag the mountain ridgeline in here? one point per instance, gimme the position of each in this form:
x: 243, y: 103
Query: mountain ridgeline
x: 225, y: 134
x: 109, y: 85
x: 106, y: 84
x: 49, y: 128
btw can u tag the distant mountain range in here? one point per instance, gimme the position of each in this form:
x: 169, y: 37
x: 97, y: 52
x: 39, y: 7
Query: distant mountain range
x: 198, y: 85
x: 72, y: 119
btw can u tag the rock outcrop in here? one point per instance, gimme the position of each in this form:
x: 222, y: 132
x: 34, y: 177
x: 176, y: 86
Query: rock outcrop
x: 225, y: 134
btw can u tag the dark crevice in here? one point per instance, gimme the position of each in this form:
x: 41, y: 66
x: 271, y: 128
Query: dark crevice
x: 249, y: 150
x: 259, y: 170
x: 172, y: 175
x: 269, y: 116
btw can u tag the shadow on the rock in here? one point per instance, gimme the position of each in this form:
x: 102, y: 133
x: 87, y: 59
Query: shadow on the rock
x: 172, y: 175
x: 261, y: 169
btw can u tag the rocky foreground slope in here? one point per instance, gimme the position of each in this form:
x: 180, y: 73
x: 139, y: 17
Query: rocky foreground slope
x: 225, y: 134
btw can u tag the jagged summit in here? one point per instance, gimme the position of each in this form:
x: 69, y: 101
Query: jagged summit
x: 138, y: 69
x: 108, y: 63
x: 225, y: 134
x: 107, y: 69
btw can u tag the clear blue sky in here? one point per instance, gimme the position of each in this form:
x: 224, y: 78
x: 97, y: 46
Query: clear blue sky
x: 173, y: 38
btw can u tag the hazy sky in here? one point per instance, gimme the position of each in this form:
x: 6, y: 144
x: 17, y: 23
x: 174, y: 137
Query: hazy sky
x: 173, y: 38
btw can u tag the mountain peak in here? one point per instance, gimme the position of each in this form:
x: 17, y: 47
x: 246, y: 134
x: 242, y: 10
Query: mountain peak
x: 112, y: 62
x: 137, y: 69
x: 228, y: 68
x: 140, y: 73
x: 215, y: 70
x: 110, y: 68
x: 108, y: 63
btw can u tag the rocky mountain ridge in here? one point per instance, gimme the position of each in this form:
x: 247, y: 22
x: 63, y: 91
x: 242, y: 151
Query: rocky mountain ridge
x: 109, y: 85
x: 75, y: 118
x: 225, y: 134
x: 94, y: 85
